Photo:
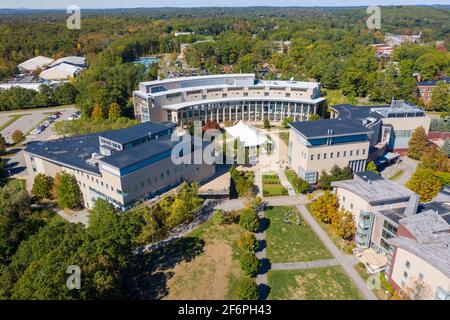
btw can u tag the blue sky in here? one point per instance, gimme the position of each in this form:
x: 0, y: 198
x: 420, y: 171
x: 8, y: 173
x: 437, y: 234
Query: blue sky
x: 46, y: 4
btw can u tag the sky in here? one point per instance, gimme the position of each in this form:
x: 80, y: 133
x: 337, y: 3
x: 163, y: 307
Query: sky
x: 88, y: 4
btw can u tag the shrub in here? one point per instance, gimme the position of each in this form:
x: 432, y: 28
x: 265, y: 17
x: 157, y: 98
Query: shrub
x: 218, y: 217
x: 248, y: 241
x: 247, y: 289
x: 249, y: 220
x: 249, y: 263
x: 68, y: 191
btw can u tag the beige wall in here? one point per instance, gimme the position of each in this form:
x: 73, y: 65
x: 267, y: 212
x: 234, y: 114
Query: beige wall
x: 352, y: 202
x: 136, y: 183
x: 408, y: 123
x: 433, y: 278
x: 301, y: 154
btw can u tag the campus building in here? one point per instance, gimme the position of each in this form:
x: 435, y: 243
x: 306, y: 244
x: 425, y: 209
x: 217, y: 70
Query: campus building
x: 121, y: 166
x: 419, y: 263
x: 392, y: 125
x: 315, y: 146
x: 425, y: 88
x: 225, y: 97
x: 377, y: 206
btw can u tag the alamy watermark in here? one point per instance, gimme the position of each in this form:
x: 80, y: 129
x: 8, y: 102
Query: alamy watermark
x: 74, y: 280
x: 73, y: 22
x: 373, y: 22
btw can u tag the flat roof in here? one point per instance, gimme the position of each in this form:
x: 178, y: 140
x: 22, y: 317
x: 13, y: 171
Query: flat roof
x: 126, y: 135
x: 376, y: 192
x: 395, y: 215
x: 368, y: 176
x: 321, y: 128
x: 211, y: 76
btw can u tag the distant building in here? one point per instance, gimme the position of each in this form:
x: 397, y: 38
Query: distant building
x: 72, y: 60
x: 183, y: 33
x: 383, y: 51
x: 419, y: 263
x: 394, y: 40
x: 425, y: 88
x: 377, y: 206
x: 121, y: 166
x: 225, y: 97
x: 318, y: 145
x: 62, y: 71
x: 35, y: 63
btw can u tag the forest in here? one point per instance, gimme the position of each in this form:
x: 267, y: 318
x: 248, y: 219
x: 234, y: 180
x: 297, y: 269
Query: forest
x: 330, y: 45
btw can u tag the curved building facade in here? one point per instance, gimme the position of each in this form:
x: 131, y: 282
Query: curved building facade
x: 225, y: 97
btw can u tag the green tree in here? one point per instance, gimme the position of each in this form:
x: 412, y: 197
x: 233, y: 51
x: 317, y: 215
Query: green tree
x: 42, y: 186
x: 313, y: 117
x: 266, y: 123
x: 2, y: 144
x: 247, y: 289
x: 324, y: 181
x: 300, y: 184
x: 67, y: 191
x: 17, y: 136
x: 434, y: 159
x: 440, y: 101
x: 114, y: 111
x: 248, y: 219
x: 371, y: 166
x: 417, y: 143
x: 446, y: 147
x: 287, y: 121
x: 425, y: 183
x: 249, y: 263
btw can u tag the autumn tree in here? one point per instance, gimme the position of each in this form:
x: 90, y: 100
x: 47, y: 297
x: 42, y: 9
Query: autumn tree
x: 346, y: 227
x: 446, y: 147
x: 114, y: 111
x: 325, y: 207
x: 434, y: 159
x: 249, y: 220
x: 249, y: 263
x: 247, y: 289
x: 97, y: 112
x: 425, y: 183
x: 247, y: 241
x: 17, y: 136
x: 440, y: 101
x: 42, y: 186
x: 417, y: 143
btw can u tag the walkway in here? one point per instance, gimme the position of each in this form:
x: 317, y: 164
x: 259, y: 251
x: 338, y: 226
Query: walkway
x: 346, y: 263
x: 261, y: 278
x: 304, y: 265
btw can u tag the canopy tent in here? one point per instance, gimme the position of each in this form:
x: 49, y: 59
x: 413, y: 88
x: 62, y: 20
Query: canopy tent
x: 250, y: 136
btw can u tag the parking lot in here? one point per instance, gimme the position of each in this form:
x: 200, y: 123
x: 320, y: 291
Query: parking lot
x: 30, y: 119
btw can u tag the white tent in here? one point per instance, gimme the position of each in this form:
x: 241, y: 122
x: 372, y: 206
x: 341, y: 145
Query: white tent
x: 251, y: 137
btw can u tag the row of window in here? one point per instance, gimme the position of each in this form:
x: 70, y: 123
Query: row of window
x: 331, y: 155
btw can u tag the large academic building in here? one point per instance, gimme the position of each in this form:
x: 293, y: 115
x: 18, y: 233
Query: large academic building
x: 121, y: 166
x: 225, y: 97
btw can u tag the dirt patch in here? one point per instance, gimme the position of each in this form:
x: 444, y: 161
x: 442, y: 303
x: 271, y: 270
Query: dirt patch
x: 205, y: 277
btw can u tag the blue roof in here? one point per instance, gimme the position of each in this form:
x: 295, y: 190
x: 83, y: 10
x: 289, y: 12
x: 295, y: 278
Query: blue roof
x: 320, y: 128
x: 133, y: 133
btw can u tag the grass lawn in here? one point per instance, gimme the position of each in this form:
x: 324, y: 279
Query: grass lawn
x: 214, y: 272
x: 330, y: 283
x: 291, y: 242
x: 331, y: 232
x: 272, y: 186
x: 284, y: 135
x: 291, y: 175
x: 397, y: 175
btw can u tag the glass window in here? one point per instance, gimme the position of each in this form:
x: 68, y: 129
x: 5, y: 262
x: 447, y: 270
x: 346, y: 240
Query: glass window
x: 324, y: 155
x: 407, y: 264
x: 338, y: 154
x: 318, y: 156
x: 331, y: 155
x: 345, y: 154
x: 405, y: 274
x: 351, y: 153
x: 357, y: 152
x: 421, y: 276
x: 312, y: 157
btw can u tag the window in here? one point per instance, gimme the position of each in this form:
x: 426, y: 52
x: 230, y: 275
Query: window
x: 351, y: 206
x: 421, y: 276
x: 343, y: 199
x: 351, y: 153
x: 338, y: 154
x: 312, y: 157
x: 364, y: 151
x: 407, y: 264
x: 318, y: 156
x: 345, y: 154
x: 405, y: 274
x: 403, y: 284
x: 331, y: 155
x: 324, y: 155
x: 357, y: 152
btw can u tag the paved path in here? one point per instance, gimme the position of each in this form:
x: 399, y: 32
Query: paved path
x: 346, y: 263
x: 304, y: 265
x: 258, y: 182
x: 285, y: 182
x: 261, y: 277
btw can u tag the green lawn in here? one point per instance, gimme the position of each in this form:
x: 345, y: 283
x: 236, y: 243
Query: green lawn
x: 284, y: 135
x: 381, y: 292
x: 291, y: 242
x: 272, y: 186
x: 330, y: 283
x: 291, y: 175
x: 10, y: 121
